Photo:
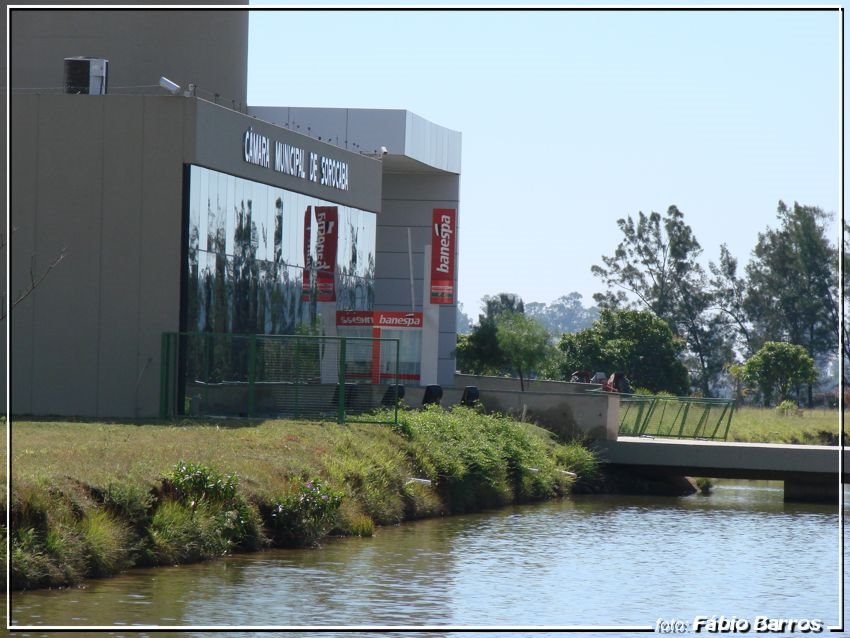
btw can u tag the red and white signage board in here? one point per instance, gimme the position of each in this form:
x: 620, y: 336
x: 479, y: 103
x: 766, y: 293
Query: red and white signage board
x: 443, y: 242
x: 327, y: 232
x: 378, y: 319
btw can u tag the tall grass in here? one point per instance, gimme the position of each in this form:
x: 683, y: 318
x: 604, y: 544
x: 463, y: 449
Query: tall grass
x: 478, y: 460
x: 91, y: 499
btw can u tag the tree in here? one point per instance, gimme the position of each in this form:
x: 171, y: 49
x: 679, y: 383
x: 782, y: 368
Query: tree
x: 638, y: 343
x: 656, y: 263
x: 730, y: 293
x: 464, y: 323
x: 565, y: 314
x: 648, y: 262
x: 480, y: 352
x: 778, y: 366
x: 792, y: 292
x: 524, y: 342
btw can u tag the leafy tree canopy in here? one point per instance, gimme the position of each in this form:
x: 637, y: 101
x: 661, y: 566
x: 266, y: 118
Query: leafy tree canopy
x: 792, y: 292
x: 480, y: 353
x: 778, y: 366
x: 524, y: 343
x: 565, y: 314
x: 635, y: 342
x: 655, y: 267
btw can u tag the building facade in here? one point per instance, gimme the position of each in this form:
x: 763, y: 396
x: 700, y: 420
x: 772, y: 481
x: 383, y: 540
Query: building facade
x: 192, y: 212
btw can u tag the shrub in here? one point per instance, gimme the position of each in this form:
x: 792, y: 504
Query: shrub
x: 197, y: 482
x: 787, y: 407
x: 172, y: 534
x: 29, y: 567
x: 66, y: 548
x: 361, y: 525
x: 180, y: 533
x: 131, y: 501
x: 305, y: 515
x: 216, y: 495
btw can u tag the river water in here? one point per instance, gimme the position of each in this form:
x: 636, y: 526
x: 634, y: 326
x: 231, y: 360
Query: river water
x: 587, y: 564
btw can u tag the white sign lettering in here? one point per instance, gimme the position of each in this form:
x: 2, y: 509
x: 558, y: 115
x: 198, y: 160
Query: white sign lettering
x: 295, y: 161
x: 443, y: 233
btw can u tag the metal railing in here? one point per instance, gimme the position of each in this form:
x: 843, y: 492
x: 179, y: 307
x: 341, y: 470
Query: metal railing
x: 206, y: 374
x: 676, y: 417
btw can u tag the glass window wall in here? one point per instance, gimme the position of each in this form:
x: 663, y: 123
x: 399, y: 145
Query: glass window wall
x: 247, y: 256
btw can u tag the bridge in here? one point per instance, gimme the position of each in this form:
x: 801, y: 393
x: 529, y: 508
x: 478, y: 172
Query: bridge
x: 810, y: 472
x: 676, y: 436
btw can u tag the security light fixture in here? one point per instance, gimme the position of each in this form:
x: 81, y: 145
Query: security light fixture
x: 169, y: 86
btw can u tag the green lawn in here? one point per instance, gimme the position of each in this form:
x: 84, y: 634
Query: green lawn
x: 766, y: 425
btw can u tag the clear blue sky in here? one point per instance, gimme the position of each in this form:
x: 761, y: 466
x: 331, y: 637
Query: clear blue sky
x: 573, y: 119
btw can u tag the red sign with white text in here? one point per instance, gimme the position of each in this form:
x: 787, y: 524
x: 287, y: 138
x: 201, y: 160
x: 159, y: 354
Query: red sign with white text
x: 378, y: 319
x: 327, y: 226
x: 443, y: 241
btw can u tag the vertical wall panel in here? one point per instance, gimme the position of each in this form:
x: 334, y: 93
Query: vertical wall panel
x: 120, y: 254
x: 159, y: 239
x: 65, y: 320
x: 22, y: 246
x: 409, y: 201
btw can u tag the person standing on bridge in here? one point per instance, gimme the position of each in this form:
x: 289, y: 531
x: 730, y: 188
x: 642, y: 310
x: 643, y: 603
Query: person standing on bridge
x: 617, y: 382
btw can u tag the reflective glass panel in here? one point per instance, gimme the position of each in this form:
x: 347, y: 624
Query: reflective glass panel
x: 246, y: 256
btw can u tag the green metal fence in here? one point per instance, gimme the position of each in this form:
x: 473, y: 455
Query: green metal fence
x: 341, y: 378
x: 677, y: 417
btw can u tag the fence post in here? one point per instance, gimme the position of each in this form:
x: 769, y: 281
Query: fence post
x: 252, y: 360
x: 340, y: 417
x: 296, y: 375
x: 684, y: 418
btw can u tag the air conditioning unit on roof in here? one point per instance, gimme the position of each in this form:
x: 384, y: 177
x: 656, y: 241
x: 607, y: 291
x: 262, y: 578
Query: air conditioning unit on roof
x: 85, y: 76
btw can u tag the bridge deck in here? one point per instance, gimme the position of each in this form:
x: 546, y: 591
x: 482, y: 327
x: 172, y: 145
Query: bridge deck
x: 728, y: 460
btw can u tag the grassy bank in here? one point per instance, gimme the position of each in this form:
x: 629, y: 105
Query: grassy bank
x: 92, y: 499
x: 817, y: 426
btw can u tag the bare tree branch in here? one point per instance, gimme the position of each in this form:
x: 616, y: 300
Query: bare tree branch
x: 35, y: 281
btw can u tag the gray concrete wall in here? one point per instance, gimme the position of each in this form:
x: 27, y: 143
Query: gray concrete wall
x: 408, y: 203
x: 206, y: 47
x: 567, y: 409
x: 101, y: 179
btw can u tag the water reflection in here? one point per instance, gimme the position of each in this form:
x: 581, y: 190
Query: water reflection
x: 621, y: 561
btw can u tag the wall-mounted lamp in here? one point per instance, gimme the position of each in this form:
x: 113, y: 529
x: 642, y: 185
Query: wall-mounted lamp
x: 379, y: 153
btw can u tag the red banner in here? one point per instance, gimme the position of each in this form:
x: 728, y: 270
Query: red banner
x: 378, y: 319
x: 444, y: 222
x: 327, y: 226
x: 308, y: 265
